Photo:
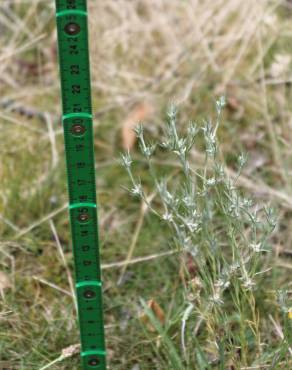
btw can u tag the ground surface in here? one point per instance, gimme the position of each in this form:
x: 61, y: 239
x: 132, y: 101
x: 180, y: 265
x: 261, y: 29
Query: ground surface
x: 144, y: 55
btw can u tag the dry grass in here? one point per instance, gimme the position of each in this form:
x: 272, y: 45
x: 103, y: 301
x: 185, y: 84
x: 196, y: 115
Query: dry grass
x: 142, y: 52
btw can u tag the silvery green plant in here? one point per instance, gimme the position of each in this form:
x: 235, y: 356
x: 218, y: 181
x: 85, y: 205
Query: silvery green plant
x: 224, y: 233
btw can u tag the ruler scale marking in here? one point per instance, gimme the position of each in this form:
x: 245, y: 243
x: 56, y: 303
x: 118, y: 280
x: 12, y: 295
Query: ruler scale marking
x: 72, y: 30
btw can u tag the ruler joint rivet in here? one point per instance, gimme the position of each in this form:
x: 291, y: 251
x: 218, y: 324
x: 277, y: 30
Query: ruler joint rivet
x: 93, y: 361
x: 78, y: 129
x: 83, y: 217
x: 89, y: 294
x: 72, y: 28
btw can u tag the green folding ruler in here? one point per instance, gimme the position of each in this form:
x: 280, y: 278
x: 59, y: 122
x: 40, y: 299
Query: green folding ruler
x: 78, y: 134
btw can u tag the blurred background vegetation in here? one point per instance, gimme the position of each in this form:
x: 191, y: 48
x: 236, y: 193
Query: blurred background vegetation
x: 145, y: 54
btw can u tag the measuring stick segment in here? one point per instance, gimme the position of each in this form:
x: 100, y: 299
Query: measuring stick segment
x: 72, y: 30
